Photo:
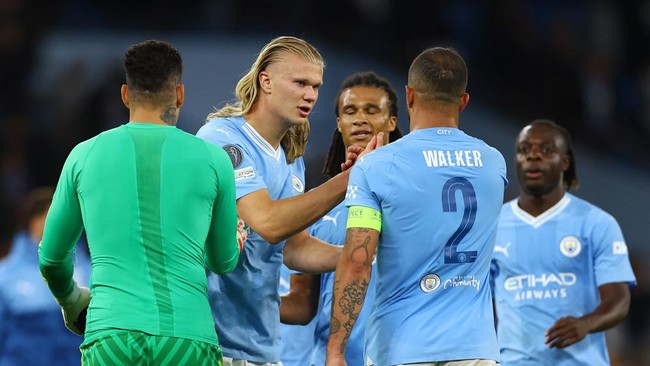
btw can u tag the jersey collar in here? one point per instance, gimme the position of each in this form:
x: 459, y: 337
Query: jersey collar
x: 261, y: 142
x: 537, y: 221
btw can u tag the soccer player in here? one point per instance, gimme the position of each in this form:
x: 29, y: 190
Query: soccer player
x: 560, y: 268
x: 157, y: 205
x: 30, y: 319
x: 265, y: 134
x: 434, y: 196
x: 366, y: 104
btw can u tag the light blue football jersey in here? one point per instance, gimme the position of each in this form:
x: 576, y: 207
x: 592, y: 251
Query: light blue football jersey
x: 440, y: 192
x: 331, y: 229
x: 32, y: 331
x: 245, y: 303
x: 296, y: 341
x: 548, y: 267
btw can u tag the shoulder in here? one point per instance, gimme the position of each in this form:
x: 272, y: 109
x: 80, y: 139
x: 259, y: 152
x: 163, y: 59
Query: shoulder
x: 483, y: 145
x: 588, y: 210
x: 507, y: 211
x: 221, y: 127
x: 113, y: 133
x: 384, y: 152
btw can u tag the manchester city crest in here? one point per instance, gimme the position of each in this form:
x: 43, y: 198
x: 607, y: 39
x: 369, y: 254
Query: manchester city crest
x: 430, y: 282
x: 570, y: 246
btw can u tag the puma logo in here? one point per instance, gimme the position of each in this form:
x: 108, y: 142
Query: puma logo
x: 332, y: 219
x: 503, y: 249
x: 223, y: 131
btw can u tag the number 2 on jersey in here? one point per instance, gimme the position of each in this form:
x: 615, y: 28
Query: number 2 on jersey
x: 452, y: 255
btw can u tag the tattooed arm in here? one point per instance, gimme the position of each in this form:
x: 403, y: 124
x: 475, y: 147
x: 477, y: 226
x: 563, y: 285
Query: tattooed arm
x: 350, y: 286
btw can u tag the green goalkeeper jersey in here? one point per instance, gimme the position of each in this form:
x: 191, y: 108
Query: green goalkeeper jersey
x: 157, y: 205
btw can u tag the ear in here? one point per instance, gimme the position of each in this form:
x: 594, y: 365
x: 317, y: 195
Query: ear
x: 264, y: 78
x: 338, y: 124
x: 180, y: 95
x: 124, y: 91
x: 392, y: 123
x: 464, y: 99
x: 565, y: 163
x: 410, y: 97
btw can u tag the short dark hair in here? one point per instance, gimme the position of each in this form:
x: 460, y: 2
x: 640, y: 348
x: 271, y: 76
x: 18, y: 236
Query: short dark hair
x: 153, y: 70
x: 439, y: 74
x: 37, y: 203
x: 337, y: 154
x: 570, y: 176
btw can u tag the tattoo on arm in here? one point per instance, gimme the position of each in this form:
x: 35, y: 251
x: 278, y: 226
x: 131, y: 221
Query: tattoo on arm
x: 360, y: 252
x: 350, y: 305
x: 169, y: 116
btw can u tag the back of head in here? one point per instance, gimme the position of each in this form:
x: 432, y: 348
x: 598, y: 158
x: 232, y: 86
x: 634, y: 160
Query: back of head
x: 153, y: 70
x: 35, y: 210
x: 37, y: 203
x: 337, y: 154
x: 439, y: 75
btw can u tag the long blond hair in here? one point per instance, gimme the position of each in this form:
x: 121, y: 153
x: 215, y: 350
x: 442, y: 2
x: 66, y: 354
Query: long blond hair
x: 294, y: 141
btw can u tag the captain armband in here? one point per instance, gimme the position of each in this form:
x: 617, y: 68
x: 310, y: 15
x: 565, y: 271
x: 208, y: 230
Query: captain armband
x: 364, y: 217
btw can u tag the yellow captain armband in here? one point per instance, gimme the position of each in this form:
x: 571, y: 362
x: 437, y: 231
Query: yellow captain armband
x: 364, y: 217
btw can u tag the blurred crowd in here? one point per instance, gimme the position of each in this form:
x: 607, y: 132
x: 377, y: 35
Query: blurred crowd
x: 583, y: 63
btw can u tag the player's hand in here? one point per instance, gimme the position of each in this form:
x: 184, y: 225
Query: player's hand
x: 355, y: 152
x: 242, y: 233
x: 566, y: 332
x: 74, y: 308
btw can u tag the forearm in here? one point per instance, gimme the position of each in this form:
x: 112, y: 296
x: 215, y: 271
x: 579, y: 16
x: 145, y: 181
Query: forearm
x: 221, y: 248
x: 612, y: 309
x: 305, y: 253
x: 57, y: 275
x: 276, y: 220
x: 350, y: 287
x: 63, y: 227
x: 300, y: 305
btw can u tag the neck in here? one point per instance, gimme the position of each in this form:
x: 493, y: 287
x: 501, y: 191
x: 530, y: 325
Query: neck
x: 272, y: 130
x: 434, y: 116
x: 537, y: 205
x: 165, y: 117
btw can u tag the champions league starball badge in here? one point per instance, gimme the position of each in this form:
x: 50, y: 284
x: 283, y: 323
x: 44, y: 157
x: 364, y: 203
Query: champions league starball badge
x: 235, y: 154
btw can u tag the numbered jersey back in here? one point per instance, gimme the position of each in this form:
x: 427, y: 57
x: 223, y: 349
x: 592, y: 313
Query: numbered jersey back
x: 440, y: 192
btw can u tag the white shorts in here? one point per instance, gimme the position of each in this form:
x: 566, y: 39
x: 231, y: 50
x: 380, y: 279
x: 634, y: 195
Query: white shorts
x: 227, y: 361
x: 454, y: 363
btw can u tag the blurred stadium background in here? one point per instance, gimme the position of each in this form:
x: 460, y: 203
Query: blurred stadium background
x: 583, y: 63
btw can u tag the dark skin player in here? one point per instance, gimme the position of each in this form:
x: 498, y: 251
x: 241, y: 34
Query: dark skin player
x: 546, y: 170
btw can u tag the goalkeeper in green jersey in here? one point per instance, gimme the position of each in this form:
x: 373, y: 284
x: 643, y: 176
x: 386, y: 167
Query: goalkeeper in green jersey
x: 158, y: 206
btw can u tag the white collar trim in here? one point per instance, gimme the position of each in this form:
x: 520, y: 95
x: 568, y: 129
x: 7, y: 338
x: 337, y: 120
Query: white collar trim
x: 537, y: 221
x: 261, y: 142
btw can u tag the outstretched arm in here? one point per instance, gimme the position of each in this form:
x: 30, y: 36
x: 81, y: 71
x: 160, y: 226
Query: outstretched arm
x: 276, y: 220
x: 350, y: 286
x: 305, y: 253
x: 613, y: 308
